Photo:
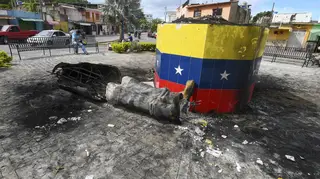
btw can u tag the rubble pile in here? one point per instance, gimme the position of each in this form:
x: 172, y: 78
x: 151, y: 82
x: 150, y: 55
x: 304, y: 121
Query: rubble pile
x: 203, y: 20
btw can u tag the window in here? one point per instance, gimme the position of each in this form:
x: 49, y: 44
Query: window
x: 217, y: 11
x: 88, y: 15
x: 14, y: 29
x: 56, y: 34
x: 97, y: 17
x: 197, y: 13
x: 61, y: 34
x: 5, y: 28
x: 45, y: 33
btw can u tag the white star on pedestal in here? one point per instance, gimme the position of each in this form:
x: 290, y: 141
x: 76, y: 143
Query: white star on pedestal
x: 179, y: 70
x: 224, y: 75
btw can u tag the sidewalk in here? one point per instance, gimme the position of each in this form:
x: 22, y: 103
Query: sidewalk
x: 106, y: 38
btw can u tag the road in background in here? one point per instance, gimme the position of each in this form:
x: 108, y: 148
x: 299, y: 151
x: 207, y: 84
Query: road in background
x: 65, y: 51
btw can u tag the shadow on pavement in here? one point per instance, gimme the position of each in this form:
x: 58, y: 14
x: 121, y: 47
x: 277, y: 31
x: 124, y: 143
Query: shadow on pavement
x: 281, y: 123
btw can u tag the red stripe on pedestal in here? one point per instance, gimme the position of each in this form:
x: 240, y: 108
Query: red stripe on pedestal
x: 207, y: 100
x: 220, y: 101
x: 251, y: 91
x: 173, y: 87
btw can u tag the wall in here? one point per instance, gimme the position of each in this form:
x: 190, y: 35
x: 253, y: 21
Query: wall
x: 307, y: 28
x: 72, y: 13
x: 63, y: 26
x: 283, y: 34
x: 93, y: 16
x: 54, y: 12
x: 286, y: 17
x: 233, y: 12
x: 207, y: 10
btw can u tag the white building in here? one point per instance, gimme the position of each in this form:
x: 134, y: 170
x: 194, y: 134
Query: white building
x: 292, y: 18
x: 148, y: 17
x: 171, y: 16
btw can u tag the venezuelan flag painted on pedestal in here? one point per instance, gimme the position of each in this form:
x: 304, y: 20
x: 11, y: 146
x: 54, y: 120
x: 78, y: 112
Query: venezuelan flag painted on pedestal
x: 223, y: 60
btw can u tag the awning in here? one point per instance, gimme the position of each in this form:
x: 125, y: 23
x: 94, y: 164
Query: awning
x: 314, y: 34
x: 53, y: 22
x: 85, y: 24
x: 7, y: 17
x: 32, y: 20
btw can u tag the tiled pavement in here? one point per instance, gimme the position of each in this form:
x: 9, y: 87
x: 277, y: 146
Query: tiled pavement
x: 137, y: 147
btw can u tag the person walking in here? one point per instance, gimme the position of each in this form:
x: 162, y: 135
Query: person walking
x: 77, y: 41
x: 130, y: 38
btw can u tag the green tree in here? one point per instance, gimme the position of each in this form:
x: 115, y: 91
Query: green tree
x: 261, y: 14
x: 30, y: 5
x: 123, y: 13
x: 144, y: 24
x: 154, y: 24
x: 72, y: 1
x: 6, y: 4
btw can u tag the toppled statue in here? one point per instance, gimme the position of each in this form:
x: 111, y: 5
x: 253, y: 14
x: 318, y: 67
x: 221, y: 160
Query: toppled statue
x: 103, y: 82
x: 158, y: 102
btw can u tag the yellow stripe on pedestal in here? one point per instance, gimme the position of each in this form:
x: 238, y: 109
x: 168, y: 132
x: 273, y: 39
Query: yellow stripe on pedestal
x: 182, y: 39
x: 205, y: 41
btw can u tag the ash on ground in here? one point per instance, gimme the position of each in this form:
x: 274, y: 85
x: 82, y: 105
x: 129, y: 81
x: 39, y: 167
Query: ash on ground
x: 277, y: 136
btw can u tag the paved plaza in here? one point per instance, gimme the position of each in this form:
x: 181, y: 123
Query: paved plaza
x: 112, y: 142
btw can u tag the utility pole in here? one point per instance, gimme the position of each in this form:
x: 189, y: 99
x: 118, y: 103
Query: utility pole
x: 41, y: 13
x: 272, y: 11
x: 165, y: 14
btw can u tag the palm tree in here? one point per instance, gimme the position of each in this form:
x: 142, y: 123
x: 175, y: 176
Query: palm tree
x: 121, y: 12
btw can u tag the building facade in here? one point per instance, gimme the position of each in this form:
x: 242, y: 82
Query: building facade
x: 4, y: 17
x: 291, y: 29
x: 229, y: 10
x: 26, y: 20
x: 78, y: 17
x: 171, y: 16
x: 56, y: 16
x: 292, y: 18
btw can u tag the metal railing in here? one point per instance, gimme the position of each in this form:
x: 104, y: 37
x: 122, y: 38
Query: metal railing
x: 288, y: 52
x: 45, y: 43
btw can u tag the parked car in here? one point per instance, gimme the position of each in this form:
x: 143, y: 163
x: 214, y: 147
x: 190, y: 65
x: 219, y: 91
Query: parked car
x: 83, y: 34
x: 152, y: 34
x: 13, y: 32
x: 50, y: 37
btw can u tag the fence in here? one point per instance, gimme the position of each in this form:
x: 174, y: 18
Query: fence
x: 289, y: 52
x: 45, y: 43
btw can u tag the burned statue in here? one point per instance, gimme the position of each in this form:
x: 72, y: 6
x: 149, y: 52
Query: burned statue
x: 158, y: 102
x: 103, y: 82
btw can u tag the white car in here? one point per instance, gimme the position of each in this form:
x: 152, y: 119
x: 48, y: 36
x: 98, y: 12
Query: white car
x: 50, y: 37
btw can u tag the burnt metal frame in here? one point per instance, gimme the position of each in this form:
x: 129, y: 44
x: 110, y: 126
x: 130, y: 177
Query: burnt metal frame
x: 93, y: 77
